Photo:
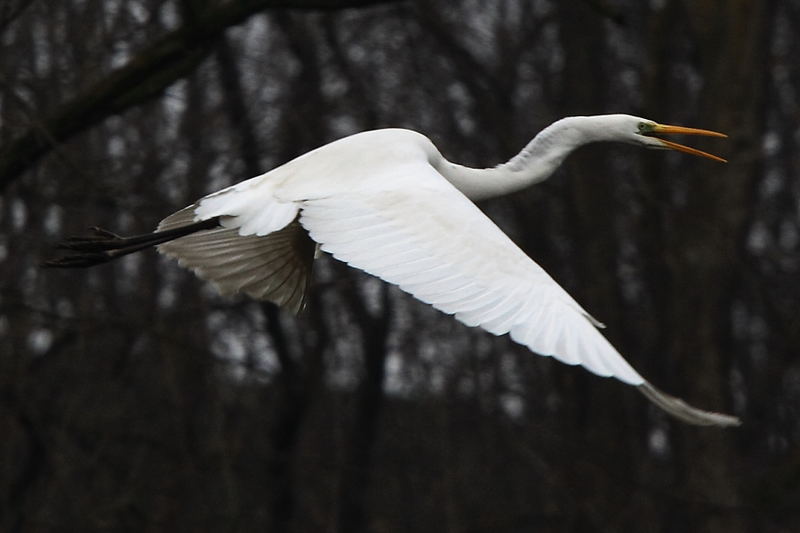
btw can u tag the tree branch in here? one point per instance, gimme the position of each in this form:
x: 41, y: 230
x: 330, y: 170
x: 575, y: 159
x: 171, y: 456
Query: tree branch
x: 11, y: 11
x: 155, y: 68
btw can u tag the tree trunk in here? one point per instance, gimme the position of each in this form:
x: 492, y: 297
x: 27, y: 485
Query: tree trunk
x: 705, y: 237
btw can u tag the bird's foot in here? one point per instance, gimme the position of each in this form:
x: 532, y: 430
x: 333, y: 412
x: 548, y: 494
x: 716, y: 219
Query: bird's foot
x: 99, y: 247
x: 99, y: 239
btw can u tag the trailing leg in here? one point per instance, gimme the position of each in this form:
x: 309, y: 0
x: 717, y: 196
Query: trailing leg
x: 103, y: 246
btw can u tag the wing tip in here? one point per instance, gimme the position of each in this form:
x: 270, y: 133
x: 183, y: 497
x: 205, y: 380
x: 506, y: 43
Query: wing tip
x: 685, y: 412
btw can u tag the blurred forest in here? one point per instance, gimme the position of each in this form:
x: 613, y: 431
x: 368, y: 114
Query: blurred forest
x: 133, y: 398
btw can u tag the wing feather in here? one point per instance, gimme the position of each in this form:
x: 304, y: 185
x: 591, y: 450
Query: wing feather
x: 426, y: 237
x: 275, y: 267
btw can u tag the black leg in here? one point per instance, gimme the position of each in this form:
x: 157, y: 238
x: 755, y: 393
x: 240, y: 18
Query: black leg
x: 103, y: 246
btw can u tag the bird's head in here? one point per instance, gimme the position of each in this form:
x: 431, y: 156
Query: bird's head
x: 643, y: 132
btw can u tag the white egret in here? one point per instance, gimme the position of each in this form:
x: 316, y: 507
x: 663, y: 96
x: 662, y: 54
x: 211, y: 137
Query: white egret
x: 388, y: 203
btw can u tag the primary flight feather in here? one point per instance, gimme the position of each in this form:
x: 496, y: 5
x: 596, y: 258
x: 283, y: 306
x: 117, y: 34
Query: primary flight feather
x: 388, y: 203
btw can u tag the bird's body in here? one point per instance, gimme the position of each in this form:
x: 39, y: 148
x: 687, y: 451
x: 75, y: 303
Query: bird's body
x: 388, y: 203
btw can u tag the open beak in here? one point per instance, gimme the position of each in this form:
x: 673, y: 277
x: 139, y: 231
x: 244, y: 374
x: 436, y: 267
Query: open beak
x: 661, y: 128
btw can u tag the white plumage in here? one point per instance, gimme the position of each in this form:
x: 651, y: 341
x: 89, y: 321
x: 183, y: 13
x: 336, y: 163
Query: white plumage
x: 387, y: 202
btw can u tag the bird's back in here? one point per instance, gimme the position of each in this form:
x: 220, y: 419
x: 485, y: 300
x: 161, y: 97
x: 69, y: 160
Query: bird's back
x: 360, y: 162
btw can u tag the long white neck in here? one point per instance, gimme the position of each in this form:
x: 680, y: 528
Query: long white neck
x: 535, y: 163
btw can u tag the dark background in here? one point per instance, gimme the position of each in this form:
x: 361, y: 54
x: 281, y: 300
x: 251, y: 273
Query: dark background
x: 133, y: 398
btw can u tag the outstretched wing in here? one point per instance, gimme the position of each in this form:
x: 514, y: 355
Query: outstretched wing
x: 415, y: 230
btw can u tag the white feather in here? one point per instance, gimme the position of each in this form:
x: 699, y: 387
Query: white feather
x: 479, y: 274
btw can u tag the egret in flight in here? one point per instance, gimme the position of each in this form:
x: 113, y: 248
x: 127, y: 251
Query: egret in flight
x: 388, y: 203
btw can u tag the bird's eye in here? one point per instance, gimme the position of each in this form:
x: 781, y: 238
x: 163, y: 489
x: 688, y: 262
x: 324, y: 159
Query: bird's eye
x: 644, y: 127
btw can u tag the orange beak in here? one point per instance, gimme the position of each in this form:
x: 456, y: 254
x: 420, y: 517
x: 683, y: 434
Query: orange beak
x: 661, y: 128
